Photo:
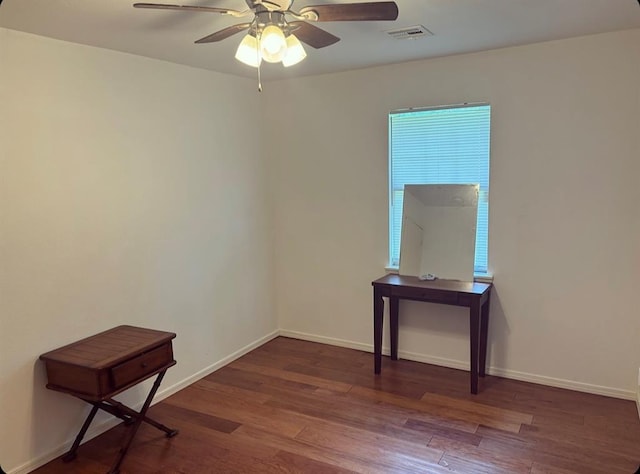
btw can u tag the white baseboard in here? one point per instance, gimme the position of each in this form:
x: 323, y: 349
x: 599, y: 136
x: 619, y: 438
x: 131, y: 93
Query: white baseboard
x: 327, y: 340
x: 563, y: 383
x: 96, y: 430
x: 464, y: 365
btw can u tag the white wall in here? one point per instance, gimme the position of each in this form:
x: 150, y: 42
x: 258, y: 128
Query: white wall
x: 130, y: 194
x: 564, y: 219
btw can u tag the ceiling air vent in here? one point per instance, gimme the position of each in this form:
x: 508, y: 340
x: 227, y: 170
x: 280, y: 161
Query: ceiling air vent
x: 409, y: 32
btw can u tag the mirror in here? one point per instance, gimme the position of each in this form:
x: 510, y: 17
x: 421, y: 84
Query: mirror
x: 439, y: 231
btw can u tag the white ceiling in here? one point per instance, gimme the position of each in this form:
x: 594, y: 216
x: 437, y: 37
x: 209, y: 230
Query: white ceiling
x: 458, y: 26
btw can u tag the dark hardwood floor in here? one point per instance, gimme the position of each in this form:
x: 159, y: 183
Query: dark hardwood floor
x: 299, y: 407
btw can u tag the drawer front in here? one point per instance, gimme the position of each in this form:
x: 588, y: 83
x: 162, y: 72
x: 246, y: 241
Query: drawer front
x: 432, y: 295
x: 141, y: 366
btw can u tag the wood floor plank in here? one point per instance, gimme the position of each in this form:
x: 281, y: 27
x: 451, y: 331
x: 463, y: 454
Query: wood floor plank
x: 199, y: 435
x: 437, y: 410
x: 489, y: 460
x: 249, y: 396
x: 350, y: 415
x: 302, y: 448
x: 391, y: 384
x: 538, y: 468
x: 406, y: 458
x: 197, y: 418
x: 411, y: 408
x: 565, y: 459
x: 578, y: 437
x: 589, y: 453
x: 293, y: 406
x: 466, y: 406
x: 506, y: 443
x: 293, y: 377
x: 467, y: 465
x: 237, y: 410
x: 376, y: 446
x: 435, y: 430
x: 295, y: 463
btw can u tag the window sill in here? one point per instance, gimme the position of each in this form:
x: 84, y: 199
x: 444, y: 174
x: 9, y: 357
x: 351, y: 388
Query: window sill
x: 479, y: 277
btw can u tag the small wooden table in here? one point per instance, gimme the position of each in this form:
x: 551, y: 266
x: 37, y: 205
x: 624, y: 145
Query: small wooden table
x: 475, y: 296
x: 99, y: 367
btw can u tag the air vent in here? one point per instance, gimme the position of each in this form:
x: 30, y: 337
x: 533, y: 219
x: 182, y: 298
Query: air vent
x: 409, y: 32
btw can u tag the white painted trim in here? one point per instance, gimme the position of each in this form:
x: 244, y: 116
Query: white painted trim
x: 563, y: 383
x: 327, y: 340
x: 464, y: 365
x: 97, y: 430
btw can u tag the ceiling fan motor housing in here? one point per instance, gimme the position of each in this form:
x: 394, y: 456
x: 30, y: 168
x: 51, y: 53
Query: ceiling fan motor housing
x: 270, y: 18
x: 270, y: 5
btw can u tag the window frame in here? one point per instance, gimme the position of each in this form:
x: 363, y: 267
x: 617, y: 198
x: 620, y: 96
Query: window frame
x: 484, y: 193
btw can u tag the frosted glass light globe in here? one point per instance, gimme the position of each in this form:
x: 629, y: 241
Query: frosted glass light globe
x: 273, y: 45
x: 247, y: 52
x: 295, y: 52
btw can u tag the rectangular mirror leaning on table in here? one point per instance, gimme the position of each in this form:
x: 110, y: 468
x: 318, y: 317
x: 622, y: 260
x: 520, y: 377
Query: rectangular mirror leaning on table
x: 437, y: 253
x: 438, y: 235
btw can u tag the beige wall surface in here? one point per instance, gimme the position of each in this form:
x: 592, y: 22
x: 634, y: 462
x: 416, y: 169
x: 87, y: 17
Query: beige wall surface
x: 564, y: 236
x: 130, y: 193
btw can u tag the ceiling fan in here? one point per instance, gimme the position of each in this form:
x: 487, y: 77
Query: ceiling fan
x: 275, y: 31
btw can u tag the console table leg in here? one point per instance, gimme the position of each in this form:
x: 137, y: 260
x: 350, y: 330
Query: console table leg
x: 115, y: 469
x: 393, y: 325
x: 484, y: 333
x: 71, y: 455
x: 378, y: 315
x: 474, y: 337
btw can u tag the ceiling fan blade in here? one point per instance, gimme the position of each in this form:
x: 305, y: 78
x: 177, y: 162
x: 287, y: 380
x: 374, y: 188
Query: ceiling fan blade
x: 312, y: 35
x: 194, y: 8
x: 224, y: 33
x: 369, y: 11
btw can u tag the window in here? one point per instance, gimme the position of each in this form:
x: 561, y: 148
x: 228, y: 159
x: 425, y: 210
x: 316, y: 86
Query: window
x: 442, y: 145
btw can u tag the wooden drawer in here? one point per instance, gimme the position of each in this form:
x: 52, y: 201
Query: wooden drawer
x: 433, y: 295
x: 141, y: 365
x: 102, y: 365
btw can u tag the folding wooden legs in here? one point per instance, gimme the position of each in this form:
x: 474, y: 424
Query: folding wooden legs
x: 129, y: 416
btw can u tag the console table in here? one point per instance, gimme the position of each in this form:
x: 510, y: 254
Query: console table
x: 475, y: 296
x: 99, y: 367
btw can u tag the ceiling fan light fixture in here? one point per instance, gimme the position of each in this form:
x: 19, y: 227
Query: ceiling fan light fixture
x: 295, y: 51
x: 273, y: 45
x: 247, y: 51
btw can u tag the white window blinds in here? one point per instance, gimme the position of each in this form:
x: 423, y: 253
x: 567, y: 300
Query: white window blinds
x: 444, y: 145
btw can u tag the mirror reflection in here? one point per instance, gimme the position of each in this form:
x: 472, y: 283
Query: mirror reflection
x: 438, y: 237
